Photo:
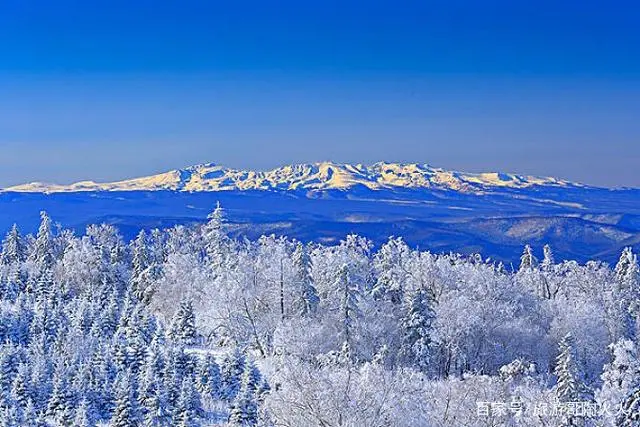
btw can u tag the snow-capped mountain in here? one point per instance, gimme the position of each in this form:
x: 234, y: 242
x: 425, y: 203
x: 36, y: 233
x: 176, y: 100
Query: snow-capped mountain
x: 491, y: 213
x: 316, y: 176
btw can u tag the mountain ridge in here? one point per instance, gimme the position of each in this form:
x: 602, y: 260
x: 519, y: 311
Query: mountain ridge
x: 311, y: 177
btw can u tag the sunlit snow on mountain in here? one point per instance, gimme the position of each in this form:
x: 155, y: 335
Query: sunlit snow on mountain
x: 431, y: 208
x: 316, y: 176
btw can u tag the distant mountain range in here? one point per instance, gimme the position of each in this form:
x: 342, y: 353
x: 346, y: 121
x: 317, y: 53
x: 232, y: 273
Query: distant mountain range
x: 491, y: 213
x: 316, y: 176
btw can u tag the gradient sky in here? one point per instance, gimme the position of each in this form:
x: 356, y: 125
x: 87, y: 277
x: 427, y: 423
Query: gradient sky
x: 108, y: 90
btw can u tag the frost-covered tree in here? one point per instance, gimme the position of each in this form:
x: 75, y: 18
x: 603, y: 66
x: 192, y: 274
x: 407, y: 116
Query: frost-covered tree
x: 84, y: 416
x: 308, y: 299
x: 183, y: 324
x: 349, y: 309
x: 153, y: 396
x: 244, y: 411
x: 528, y: 261
x: 125, y: 413
x: 232, y: 368
x: 62, y: 401
x: 417, y: 329
x: 549, y: 260
x: 389, y: 263
x: 208, y: 379
x: 189, y: 410
x: 570, y: 386
x: 42, y: 252
x: 13, y: 247
x: 21, y: 391
x: 627, y: 275
x: 621, y: 377
x: 214, y: 236
x: 630, y: 412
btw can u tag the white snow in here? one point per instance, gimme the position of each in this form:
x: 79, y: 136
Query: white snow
x: 312, y: 176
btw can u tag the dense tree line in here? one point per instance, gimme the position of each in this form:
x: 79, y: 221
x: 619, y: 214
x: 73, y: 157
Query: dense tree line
x: 187, y: 327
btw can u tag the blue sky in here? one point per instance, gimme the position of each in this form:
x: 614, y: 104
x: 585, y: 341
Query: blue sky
x: 111, y: 89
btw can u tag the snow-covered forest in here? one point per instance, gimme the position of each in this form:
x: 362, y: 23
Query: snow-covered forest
x: 187, y: 327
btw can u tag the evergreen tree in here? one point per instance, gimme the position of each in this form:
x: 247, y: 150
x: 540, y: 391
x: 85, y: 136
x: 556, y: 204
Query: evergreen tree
x: 620, y: 377
x: 141, y: 263
x: 61, y: 402
x: 308, y: 295
x: 233, y: 366
x: 528, y: 261
x: 21, y: 391
x: 627, y: 275
x: 9, y: 365
x: 43, y: 251
x: 189, y: 409
x: 549, y: 260
x: 349, y: 303
x: 153, y: 397
x: 417, y: 325
x: 140, y: 254
x: 30, y: 416
x: 183, y: 324
x: 10, y: 416
x: 244, y: 411
x: 388, y: 263
x: 570, y: 386
x: 84, y: 415
x: 629, y: 416
x: 125, y: 413
x: 209, y: 380
x: 45, y: 291
x: 13, y: 249
x: 214, y: 237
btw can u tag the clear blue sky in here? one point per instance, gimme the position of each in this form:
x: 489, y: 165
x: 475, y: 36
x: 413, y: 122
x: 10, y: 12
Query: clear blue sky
x: 113, y: 89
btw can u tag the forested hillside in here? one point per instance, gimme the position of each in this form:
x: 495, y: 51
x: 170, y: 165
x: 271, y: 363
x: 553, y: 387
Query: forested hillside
x: 189, y: 327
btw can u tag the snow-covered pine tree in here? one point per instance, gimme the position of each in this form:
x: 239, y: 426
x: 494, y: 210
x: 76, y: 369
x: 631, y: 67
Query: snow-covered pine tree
x: 13, y: 248
x: 349, y: 310
x: 10, y: 416
x: 126, y: 412
x: 141, y: 262
x: 45, y: 290
x: 625, y: 265
x: 416, y: 326
x: 214, y: 236
x: 84, y: 416
x: 627, y: 276
x: 244, y: 411
x: 308, y: 295
x: 548, y: 260
x: 30, y: 416
x: 9, y: 365
x: 42, y: 253
x: 388, y: 263
x: 140, y: 258
x: 528, y: 261
x: 570, y: 386
x: 157, y: 247
x: 232, y: 368
x: 61, y: 402
x: 183, y: 324
x: 620, y: 377
x: 153, y: 396
x: 21, y: 392
x: 209, y: 380
x: 630, y: 414
x: 188, y: 412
